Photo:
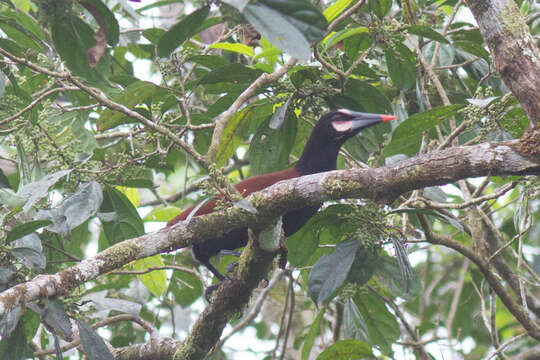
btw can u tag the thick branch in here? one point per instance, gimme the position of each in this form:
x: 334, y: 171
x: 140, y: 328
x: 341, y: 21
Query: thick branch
x: 515, y: 54
x: 381, y: 184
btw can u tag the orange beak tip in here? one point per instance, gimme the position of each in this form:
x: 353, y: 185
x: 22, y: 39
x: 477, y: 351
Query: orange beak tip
x: 386, y: 118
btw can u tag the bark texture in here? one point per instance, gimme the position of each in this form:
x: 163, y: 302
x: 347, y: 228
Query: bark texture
x: 515, y: 54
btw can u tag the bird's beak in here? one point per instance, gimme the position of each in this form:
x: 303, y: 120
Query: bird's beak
x: 362, y: 120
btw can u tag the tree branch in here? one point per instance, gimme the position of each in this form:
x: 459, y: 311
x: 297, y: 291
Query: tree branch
x: 515, y: 54
x: 379, y: 184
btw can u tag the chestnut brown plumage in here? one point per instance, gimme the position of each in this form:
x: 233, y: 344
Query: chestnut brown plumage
x: 319, y: 155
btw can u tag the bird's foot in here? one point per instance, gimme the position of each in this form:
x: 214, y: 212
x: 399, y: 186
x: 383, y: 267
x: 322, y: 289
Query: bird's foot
x: 231, y: 268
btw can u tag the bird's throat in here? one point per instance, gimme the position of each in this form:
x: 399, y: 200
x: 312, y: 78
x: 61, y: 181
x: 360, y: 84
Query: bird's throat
x: 318, y: 157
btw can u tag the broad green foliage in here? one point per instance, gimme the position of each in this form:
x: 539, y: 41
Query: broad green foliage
x: 81, y: 172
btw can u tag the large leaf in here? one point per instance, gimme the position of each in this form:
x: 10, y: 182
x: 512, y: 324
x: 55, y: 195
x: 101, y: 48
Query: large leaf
x: 391, y: 275
x: 181, y: 31
x: 24, y: 229
x: 74, y: 210
x: 29, y: 251
x: 401, y: 64
x: 347, y: 350
x: 407, y: 136
x: 237, y: 48
x: 289, y: 24
x: 119, y: 217
x: 156, y: 280
x: 269, y: 149
x: 93, y: 345
x: 360, y: 31
x: 368, y: 96
x: 237, y: 130
x: 314, y: 331
x: 13, y: 347
x: 35, y: 191
x: 383, y: 328
x: 331, y: 12
x: 135, y: 93
x: 472, y: 48
x: 72, y: 39
x: 105, y: 18
x: 55, y: 316
x: 330, y: 271
x: 354, y: 326
x: 427, y: 32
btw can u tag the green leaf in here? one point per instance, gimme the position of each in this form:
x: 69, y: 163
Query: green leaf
x: 29, y: 251
x: 303, y: 15
x: 347, y: 350
x: 368, y: 96
x: 25, y: 229
x: 330, y: 271
x: 13, y: 346
x: 237, y: 48
x: 331, y: 12
x: 20, y: 37
x: 105, y: 18
x: 93, y: 345
x: 35, y: 191
x: 135, y: 93
x: 8, y: 324
x: 401, y: 66
x: 237, y: 129
x: 269, y: 150
x: 181, y: 31
x: 354, y: 326
x: 267, y: 54
x: 347, y: 33
x: 380, y: 7
x: 364, y: 265
x: 72, y: 39
x: 186, y: 288
x: 155, y: 281
x: 472, y: 48
x: 54, y: 315
x: 383, y: 328
x: 389, y: 274
x: 26, y: 22
x: 239, y: 4
x: 74, y: 210
x: 289, y: 25
x: 270, y: 235
x: 313, y: 332
x: 407, y: 136
x: 427, y: 32
x: 230, y: 76
x: 119, y: 217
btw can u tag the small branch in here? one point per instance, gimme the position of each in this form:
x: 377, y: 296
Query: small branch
x: 36, y: 102
x: 118, y: 318
x: 504, y: 189
x: 224, y: 119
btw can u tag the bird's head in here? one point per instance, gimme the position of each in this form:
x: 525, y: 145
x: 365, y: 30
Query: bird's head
x: 343, y: 124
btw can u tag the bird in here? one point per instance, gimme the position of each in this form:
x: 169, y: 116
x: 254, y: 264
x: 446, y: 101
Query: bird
x: 320, y: 154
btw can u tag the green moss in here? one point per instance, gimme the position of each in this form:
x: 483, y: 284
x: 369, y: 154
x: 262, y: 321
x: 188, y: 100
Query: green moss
x: 511, y: 19
x: 340, y: 187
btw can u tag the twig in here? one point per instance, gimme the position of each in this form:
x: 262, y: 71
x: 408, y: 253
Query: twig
x: 124, y: 317
x: 37, y: 101
x: 224, y: 119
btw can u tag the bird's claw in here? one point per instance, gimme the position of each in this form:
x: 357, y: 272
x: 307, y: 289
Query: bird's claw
x: 231, y: 268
